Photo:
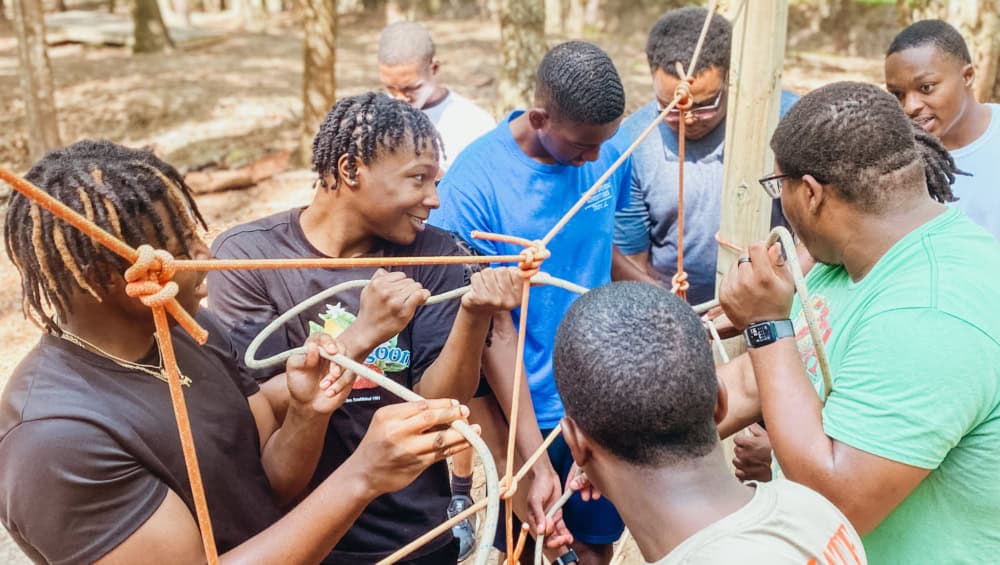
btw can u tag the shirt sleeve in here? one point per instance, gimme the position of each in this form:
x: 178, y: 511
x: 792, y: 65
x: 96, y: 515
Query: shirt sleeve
x: 464, y: 207
x: 242, y: 304
x: 913, y: 396
x: 71, y: 492
x: 632, y: 219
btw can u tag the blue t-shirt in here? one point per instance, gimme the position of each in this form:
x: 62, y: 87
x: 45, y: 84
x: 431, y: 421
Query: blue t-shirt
x: 979, y: 194
x: 493, y: 186
x: 649, y: 223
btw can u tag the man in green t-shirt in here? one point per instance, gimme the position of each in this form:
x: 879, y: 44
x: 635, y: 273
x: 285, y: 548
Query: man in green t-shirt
x: 908, y: 443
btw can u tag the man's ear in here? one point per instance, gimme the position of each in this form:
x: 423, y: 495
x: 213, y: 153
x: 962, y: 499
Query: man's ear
x: 344, y: 173
x: 578, y: 442
x: 435, y: 67
x: 969, y: 75
x: 538, y: 118
x: 721, y: 402
x: 815, y: 193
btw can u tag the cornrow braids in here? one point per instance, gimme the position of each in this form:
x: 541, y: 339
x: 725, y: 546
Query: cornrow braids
x: 940, y: 34
x: 856, y: 137
x: 577, y: 81
x: 364, y: 126
x: 113, y: 186
x: 675, y: 35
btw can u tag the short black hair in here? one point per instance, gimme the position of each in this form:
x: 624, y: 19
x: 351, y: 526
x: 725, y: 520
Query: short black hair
x: 577, y: 81
x: 931, y: 32
x: 363, y: 126
x: 634, y: 369
x: 856, y: 137
x: 113, y: 186
x: 675, y: 35
x: 405, y: 42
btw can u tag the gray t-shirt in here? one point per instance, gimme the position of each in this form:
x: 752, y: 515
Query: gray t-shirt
x: 89, y: 449
x: 783, y: 524
x: 649, y: 223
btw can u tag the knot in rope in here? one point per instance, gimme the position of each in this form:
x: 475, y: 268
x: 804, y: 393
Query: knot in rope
x: 680, y: 284
x: 682, y: 93
x: 532, y: 258
x: 149, y: 278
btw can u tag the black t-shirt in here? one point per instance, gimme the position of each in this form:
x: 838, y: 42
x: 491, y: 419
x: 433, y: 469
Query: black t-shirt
x: 246, y: 301
x: 88, y: 449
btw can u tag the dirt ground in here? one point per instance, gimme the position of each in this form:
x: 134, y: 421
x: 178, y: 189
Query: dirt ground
x: 229, y: 102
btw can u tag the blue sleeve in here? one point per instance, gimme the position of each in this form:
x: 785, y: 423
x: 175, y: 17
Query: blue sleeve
x: 632, y: 219
x: 788, y: 99
x: 464, y: 206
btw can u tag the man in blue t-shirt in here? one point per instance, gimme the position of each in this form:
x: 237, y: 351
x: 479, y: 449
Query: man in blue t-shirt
x: 646, y: 231
x: 520, y: 179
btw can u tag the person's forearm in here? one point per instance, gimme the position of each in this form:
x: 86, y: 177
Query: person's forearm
x: 455, y: 373
x: 625, y: 268
x: 794, y: 416
x: 292, y: 452
x: 309, y: 531
x: 743, y: 401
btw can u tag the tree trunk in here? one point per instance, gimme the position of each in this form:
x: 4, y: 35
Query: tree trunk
x: 3, y: 15
x: 319, y: 85
x: 36, y: 78
x: 60, y: 5
x: 522, y: 46
x: 183, y: 10
x: 151, y: 34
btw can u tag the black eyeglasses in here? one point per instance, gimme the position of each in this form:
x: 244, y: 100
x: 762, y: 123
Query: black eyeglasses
x: 772, y: 184
x: 699, y: 110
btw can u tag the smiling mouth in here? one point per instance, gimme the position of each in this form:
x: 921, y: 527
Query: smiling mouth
x: 924, y: 122
x: 418, y: 222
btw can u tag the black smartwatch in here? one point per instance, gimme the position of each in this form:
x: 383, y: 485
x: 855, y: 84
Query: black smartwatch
x: 566, y: 558
x: 766, y: 333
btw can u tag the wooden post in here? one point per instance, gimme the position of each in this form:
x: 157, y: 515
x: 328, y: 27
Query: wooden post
x: 758, y: 53
x: 319, y: 79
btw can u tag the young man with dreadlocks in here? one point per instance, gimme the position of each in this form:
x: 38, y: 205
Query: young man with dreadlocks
x: 929, y: 70
x: 377, y: 160
x: 91, y: 469
x: 641, y: 414
x: 408, y: 69
x: 520, y: 179
x: 907, y: 444
x: 646, y: 231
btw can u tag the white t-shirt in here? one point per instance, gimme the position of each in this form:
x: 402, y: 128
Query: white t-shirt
x: 783, y: 524
x: 460, y: 122
x: 979, y: 194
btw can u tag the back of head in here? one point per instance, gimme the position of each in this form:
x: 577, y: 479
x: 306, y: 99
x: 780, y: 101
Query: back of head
x: 403, y: 43
x: 675, y: 35
x: 577, y: 81
x: 931, y: 32
x: 857, y: 137
x: 364, y: 126
x: 122, y: 190
x: 635, y: 372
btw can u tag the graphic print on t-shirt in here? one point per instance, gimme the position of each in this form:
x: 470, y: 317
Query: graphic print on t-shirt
x: 804, y: 341
x: 386, y: 358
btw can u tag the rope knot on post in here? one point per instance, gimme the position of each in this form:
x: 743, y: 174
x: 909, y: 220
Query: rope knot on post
x: 150, y: 277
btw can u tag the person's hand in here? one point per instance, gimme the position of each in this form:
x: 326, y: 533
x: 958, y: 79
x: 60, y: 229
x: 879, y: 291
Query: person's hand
x: 757, y: 290
x: 579, y: 482
x: 753, y: 455
x: 723, y: 325
x: 494, y: 290
x: 387, y: 306
x: 404, y: 439
x: 545, y: 490
x: 315, y: 383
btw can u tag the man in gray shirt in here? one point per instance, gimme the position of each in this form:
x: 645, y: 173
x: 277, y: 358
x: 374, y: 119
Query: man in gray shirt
x: 646, y: 231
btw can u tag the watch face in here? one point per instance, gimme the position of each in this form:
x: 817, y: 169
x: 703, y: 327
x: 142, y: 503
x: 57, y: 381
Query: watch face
x: 760, y: 333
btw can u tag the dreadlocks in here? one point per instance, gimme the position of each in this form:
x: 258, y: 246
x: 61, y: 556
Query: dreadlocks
x: 856, y: 137
x: 114, y: 187
x: 577, y: 81
x: 363, y: 126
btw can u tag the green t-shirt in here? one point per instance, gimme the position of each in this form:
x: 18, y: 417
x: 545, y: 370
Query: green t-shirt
x: 914, y: 352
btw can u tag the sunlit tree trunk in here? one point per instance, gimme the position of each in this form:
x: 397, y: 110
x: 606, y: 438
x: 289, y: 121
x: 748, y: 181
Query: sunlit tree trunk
x: 319, y: 85
x: 37, y: 86
x: 151, y: 35
x: 522, y: 46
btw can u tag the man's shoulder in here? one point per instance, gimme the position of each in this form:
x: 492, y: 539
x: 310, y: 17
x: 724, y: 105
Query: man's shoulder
x: 244, y: 239
x: 41, y: 386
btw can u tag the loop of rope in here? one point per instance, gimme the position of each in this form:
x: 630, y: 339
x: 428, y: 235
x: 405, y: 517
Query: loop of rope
x: 149, y: 278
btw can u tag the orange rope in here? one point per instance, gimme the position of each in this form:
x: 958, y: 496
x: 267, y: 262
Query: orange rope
x: 335, y: 263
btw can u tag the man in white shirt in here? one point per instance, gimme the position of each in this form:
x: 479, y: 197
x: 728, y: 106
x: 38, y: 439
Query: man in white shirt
x: 408, y: 70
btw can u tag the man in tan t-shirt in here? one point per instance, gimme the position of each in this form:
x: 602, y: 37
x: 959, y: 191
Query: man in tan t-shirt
x: 635, y: 373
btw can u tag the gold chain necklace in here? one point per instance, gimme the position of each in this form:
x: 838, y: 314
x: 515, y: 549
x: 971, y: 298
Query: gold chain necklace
x: 156, y: 371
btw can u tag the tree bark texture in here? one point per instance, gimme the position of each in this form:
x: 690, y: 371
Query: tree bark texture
x: 319, y: 84
x: 522, y: 46
x: 151, y: 35
x: 36, y: 78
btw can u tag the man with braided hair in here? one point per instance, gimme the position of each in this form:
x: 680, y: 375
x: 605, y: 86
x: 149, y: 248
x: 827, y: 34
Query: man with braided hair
x: 377, y: 161
x: 520, y: 179
x: 904, y: 292
x: 929, y: 70
x: 646, y: 231
x: 91, y: 469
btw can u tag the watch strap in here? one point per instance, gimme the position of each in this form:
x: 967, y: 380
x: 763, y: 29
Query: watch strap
x: 567, y: 558
x: 765, y: 333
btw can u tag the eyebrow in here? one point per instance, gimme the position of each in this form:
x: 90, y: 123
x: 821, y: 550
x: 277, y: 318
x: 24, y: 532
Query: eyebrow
x: 922, y: 76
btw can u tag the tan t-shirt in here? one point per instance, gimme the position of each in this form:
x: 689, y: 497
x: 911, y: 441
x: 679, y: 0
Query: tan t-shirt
x: 784, y: 523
